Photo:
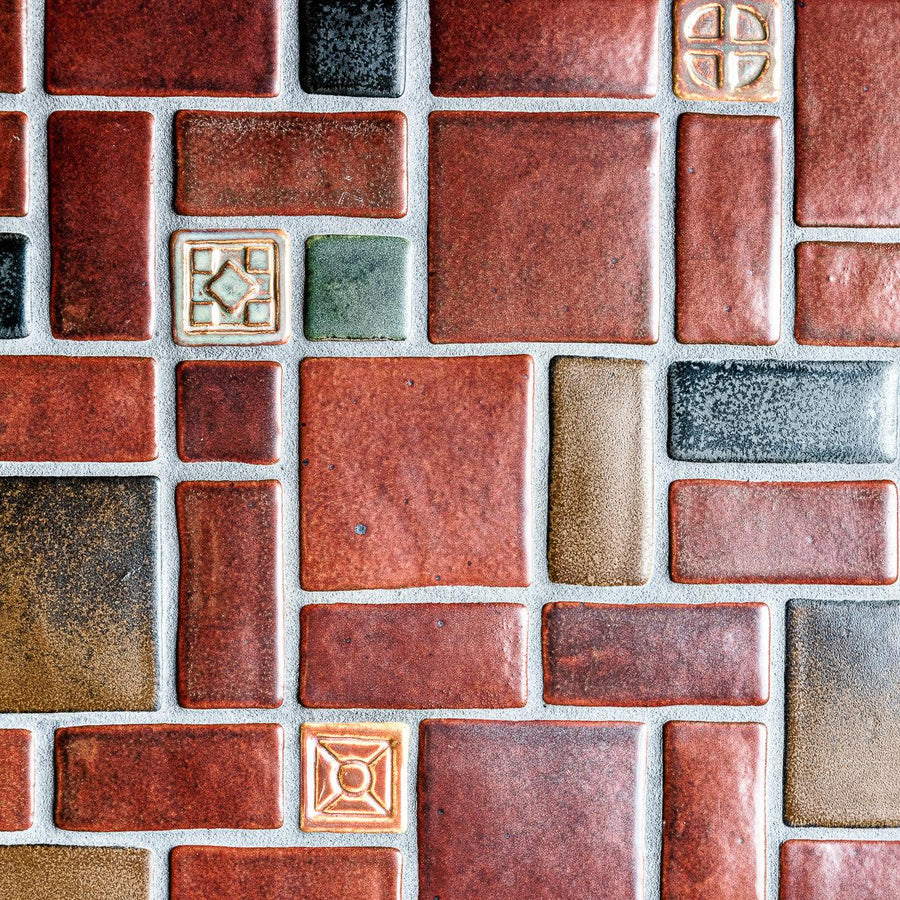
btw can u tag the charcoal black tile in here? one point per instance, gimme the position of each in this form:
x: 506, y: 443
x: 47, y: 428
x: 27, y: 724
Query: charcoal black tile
x: 13, y: 286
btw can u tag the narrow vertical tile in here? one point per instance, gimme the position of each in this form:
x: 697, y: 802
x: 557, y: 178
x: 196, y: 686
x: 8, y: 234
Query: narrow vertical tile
x: 12, y: 46
x: 840, y: 870
x: 13, y: 164
x: 16, y: 780
x: 14, y: 280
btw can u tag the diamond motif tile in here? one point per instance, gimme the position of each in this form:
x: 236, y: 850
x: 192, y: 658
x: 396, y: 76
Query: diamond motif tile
x: 14, y: 280
x: 13, y: 164
x: 16, y: 780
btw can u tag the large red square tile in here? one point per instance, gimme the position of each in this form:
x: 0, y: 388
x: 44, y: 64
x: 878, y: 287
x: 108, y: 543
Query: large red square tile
x: 16, y: 780
x: 13, y: 164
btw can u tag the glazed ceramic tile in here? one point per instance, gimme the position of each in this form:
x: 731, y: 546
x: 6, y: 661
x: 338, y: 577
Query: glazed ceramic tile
x: 156, y: 777
x: 290, y: 164
x: 16, y: 781
x: 14, y: 315
x: 357, y: 288
x: 660, y: 654
x: 543, y: 227
x: 102, y: 225
x: 778, y: 411
x: 13, y: 164
x: 601, y: 472
x: 79, y: 588
x: 354, y: 777
x: 850, y: 870
x: 480, y: 48
x: 414, y: 655
x: 837, y: 532
x: 563, y: 800
x: 12, y: 47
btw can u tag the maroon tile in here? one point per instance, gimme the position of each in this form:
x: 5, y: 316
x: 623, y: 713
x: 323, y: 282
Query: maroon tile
x: 543, y: 227
x: 414, y: 655
x: 230, y: 615
x: 16, y: 780
x: 12, y: 46
x: 290, y: 163
x: 158, y: 777
x: 728, y: 227
x: 656, y: 654
x: 229, y: 411
x: 714, y: 811
x: 840, y: 870
x: 70, y: 409
x: 531, y: 809
x: 102, y: 225
x: 837, y: 532
x: 415, y: 471
x: 13, y: 164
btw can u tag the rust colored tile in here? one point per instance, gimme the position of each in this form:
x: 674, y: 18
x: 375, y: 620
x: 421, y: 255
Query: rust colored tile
x: 837, y: 532
x: 531, y: 809
x: 229, y: 411
x: 211, y: 48
x: 656, y: 654
x: 728, y: 227
x: 354, y: 777
x: 161, y: 777
x: 571, y: 48
x: 850, y: 870
x: 714, y: 811
x: 16, y: 781
x: 230, y: 611
x: 87, y: 409
x: 291, y: 164
x: 261, y: 873
x: 544, y: 227
x: 102, y: 225
x: 12, y: 46
x: 13, y: 164
x: 415, y: 472
x: 601, y: 472
x: 414, y: 655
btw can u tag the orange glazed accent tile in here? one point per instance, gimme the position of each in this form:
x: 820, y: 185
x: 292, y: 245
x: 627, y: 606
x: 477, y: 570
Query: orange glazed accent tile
x: 840, y: 870
x: 12, y: 46
x: 13, y: 164
x: 16, y: 780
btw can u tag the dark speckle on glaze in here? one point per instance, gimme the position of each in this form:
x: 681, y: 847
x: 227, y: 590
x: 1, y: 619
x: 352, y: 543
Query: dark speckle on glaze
x: 13, y: 275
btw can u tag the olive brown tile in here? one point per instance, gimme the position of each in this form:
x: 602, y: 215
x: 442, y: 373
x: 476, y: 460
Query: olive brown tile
x: 14, y: 280
x: 16, y: 780
x: 849, y: 870
x: 12, y: 47
x: 13, y: 164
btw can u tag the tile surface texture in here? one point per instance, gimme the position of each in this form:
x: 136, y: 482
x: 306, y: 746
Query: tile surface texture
x: 13, y: 164
x: 12, y: 46
x: 849, y: 870
x: 14, y: 281
x: 16, y: 780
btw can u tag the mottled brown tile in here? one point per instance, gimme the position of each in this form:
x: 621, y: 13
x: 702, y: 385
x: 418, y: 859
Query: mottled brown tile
x: 13, y: 164
x: 12, y: 46
x: 16, y: 780
x: 840, y: 870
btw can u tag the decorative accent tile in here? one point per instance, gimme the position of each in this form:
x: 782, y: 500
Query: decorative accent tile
x: 13, y: 164
x: 16, y: 781
x: 12, y: 47
x: 14, y: 317
x: 850, y: 870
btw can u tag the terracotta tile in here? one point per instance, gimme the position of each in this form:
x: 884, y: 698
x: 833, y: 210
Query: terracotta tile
x: 728, y: 230
x: 79, y: 594
x: 480, y: 48
x: 414, y: 655
x: 842, y: 749
x: 12, y: 46
x: 229, y: 411
x: 102, y: 225
x: 251, y: 873
x: 87, y: 409
x: 303, y: 164
x: 16, y: 781
x: 13, y: 164
x: 14, y: 281
x: 564, y: 801
x: 516, y: 199
x: 212, y: 48
x: 230, y: 611
x: 415, y: 472
x: 851, y: 870
x: 779, y: 411
x: 354, y: 777
x: 714, y: 811
x: 836, y: 532
x: 656, y: 654
x: 601, y: 472
x: 160, y: 777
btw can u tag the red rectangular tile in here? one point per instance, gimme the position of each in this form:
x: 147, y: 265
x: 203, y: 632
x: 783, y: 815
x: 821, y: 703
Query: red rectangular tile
x: 290, y: 163
x: 728, y: 227
x: 13, y: 164
x: 101, y: 225
x: 837, y: 532
x: 16, y: 780
x: 840, y: 870
x: 230, y: 610
x: 160, y: 777
x: 714, y: 811
x: 414, y: 655
x: 12, y: 46
x: 70, y: 409
x: 656, y: 654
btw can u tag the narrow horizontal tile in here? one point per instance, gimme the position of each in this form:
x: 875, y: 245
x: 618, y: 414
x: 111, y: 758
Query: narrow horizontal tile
x: 14, y: 281
x: 13, y: 164
x: 850, y: 870
x: 16, y: 781
x: 12, y: 47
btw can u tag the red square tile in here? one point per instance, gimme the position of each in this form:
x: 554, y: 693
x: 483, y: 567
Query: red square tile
x: 840, y: 870
x: 544, y: 227
x: 13, y: 164
x: 16, y: 780
x: 12, y: 46
x: 415, y: 471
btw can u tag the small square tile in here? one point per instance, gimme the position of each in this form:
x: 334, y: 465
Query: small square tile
x: 13, y: 164
x: 16, y: 780
x: 840, y: 870
x: 13, y: 286
x: 357, y: 288
x: 12, y: 46
x: 354, y: 777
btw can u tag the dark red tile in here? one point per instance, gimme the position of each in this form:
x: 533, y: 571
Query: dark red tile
x: 714, y: 811
x: 543, y: 227
x: 230, y: 611
x: 837, y: 532
x: 16, y: 780
x: 220, y: 48
x: 656, y: 654
x: 728, y: 227
x: 531, y: 809
x: 13, y: 164
x: 159, y: 777
x: 290, y: 163
x: 12, y: 46
x: 415, y: 471
x: 840, y: 870
x: 102, y: 225
x: 87, y: 409
x: 414, y: 655
x: 229, y: 411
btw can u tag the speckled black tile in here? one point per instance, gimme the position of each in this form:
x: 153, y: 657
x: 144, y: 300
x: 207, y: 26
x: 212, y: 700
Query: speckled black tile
x: 355, y: 48
x: 13, y: 283
x: 775, y: 411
